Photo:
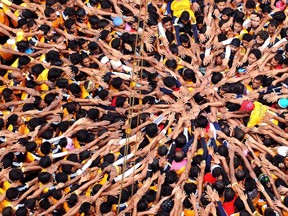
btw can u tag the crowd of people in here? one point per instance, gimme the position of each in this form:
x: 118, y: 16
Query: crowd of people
x: 144, y: 107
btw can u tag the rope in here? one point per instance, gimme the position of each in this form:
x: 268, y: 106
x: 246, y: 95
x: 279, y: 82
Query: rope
x: 130, y: 110
x: 141, y: 71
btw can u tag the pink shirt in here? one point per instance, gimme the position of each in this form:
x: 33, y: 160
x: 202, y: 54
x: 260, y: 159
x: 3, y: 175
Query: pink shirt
x: 178, y: 165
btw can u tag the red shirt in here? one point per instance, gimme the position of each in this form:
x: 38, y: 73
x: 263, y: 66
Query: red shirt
x: 229, y: 207
x: 209, y: 178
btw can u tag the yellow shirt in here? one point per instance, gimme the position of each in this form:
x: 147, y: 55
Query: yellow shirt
x: 179, y: 6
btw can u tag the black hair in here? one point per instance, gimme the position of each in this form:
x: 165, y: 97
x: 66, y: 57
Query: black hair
x: 72, y: 200
x: 44, y: 177
x: 93, y: 114
x: 269, y: 212
x: 44, y: 203
x: 216, y: 172
x: 116, y: 83
x: 48, y: 133
x: 201, y: 121
x: 22, y: 46
x: 61, y: 177
x: 166, y: 189
x: 150, y: 195
x: 45, y: 161
x: 151, y: 130
x: 171, y: 64
x: 189, y: 188
x: 12, y: 193
x: 103, y: 23
x: 105, y: 207
x: 124, y: 195
x: 216, y: 77
x: 46, y: 148
x: 229, y: 194
x: 7, y: 211
x: 162, y: 150
x: 250, y: 184
x: 239, y: 133
x: 120, y: 101
x: 247, y: 37
x: 239, y: 205
x: 31, y: 146
x: 171, y: 177
x: 219, y: 185
x: 81, y: 135
x: 22, y: 211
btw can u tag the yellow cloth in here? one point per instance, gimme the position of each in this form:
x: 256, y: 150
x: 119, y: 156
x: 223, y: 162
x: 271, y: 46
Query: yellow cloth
x: 257, y: 114
x: 179, y: 6
x: 188, y: 212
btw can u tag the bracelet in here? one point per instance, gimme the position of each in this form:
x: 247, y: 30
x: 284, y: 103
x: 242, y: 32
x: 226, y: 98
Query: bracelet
x: 235, y: 183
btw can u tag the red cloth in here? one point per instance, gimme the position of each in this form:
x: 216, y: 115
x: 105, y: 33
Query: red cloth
x: 247, y: 106
x: 229, y: 207
x: 209, y: 178
x: 113, y: 102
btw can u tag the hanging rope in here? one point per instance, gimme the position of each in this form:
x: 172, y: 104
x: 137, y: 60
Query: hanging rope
x: 132, y: 102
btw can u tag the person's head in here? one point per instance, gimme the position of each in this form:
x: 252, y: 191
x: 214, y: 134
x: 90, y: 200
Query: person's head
x: 262, y: 36
x: 240, y: 174
x: 61, y: 177
x: 105, y: 207
x: 229, y: 194
x: 22, y: 46
x: 7, y: 211
x: 23, y: 61
x: 220, y: 4
x: 44, y: 177
x: 81, y: 14
x: 201, y: 121
x: 167, y: 205
x: 247, y: 106
x: 227, y: 12
x: 85, y: 208
x: 50, y: 13
x: 190, y: 188
x: 22, y: 23
x: 45, y: 161
x: 22, y: 211
x: 239, y: 134
x: 237, y: 25
x: 151, y: 130
x: 32, y: 25
x: 272, y: 26
x: 255, y: 19
x: 7, y: 94
x: 246, y: 38
x: 216, y: 77
x: 12, y: 193
x: 250, y: 6
x: 269, y: 212
x: 142, y: 205
x: 216, y: 171
x: 70, y: 25
x: 257, y: 82
x: 219, y: 186
x: 277, y: 60
x: 235, y: 44
x: 179, y: 156
x: 167, y: 23
x: 254, y: 55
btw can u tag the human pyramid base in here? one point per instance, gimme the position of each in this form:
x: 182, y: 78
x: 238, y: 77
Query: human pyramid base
x: 144, y: 107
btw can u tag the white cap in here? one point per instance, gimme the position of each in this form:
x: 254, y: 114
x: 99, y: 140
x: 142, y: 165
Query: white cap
x: 115, y: 64
x: 104, y: 60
